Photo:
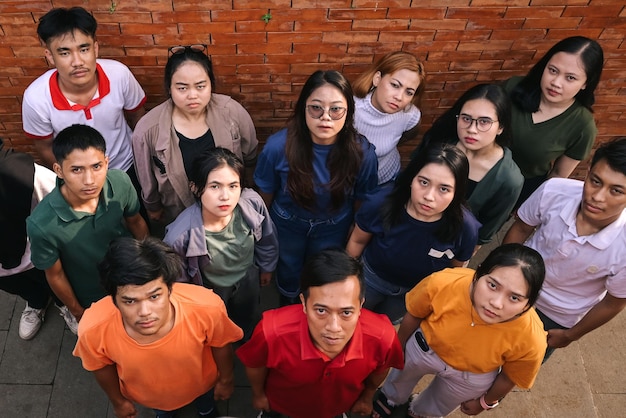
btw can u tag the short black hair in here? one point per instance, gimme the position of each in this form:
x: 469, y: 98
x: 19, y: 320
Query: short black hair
x: 75, y: 137
x: 527, y: 259
x: 614, y: 152
x: 61, y: 21
x: 129, y: 261
x: 330, y: 266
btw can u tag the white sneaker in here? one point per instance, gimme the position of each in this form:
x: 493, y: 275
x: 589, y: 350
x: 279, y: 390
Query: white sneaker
x: 71, y: 322
x: 30, y: 322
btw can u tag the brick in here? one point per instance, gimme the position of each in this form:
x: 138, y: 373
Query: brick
x: 259, y: 4
x: 563, y: 22
x: 485, y: 46
x: 126, y: 17
x: 343, y: 58
x: 557, y: 34
x: 448, y: 56
x: 615, y: 23
x: 264, y: 48
x: 481, y: 3
x: 209, y: 27
x: 475, y: 12
x: 319, y: 47
x: 496, y: 24
x: 407, y: 36
x: 295, y: 37
x: 449, y: 24
x: 194, y: 5
x: 316, y: 4
x: 374, y: 48
x: 24, y: 6
x: 516, y: 34
x: 594, y: 11
x: 611, y: 33
x: 293, y: 58
x: 17, y: 19
x: 360, y: 36
x: 359, y: 14
x: 126, y: 40
x: 535, y: 12
x: 325, y: 26
x: 196, y: 16
x: 377, y: 4
x: 260, y: 26
x: 219, y: 60
x: 557, y: 2
x: 381, y: 24
x: 21, y: 40
x: 147, y: 29
x: 423, y: 13
x: 449, y: 35
x: 239, y: 38
x: 262, y: 68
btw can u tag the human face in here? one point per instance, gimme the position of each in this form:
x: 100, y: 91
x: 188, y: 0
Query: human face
x: 432, y: 191
x: 324, y: 130
x: 563, y: 77
x: 332, y: 313
x: 191, y: 88
x: 221, y: 194
x: 74, y: 56
x: 604, y: 195
x: 146, y: 310
x: 501, y: 295
x: 470, y: 137
x: 84, y: 173
x: 394, y: 91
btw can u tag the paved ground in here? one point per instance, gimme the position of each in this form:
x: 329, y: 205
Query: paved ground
x: 41, y: 379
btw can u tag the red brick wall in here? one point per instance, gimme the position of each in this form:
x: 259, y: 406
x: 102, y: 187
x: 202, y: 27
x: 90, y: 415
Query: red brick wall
x: 264, y: 65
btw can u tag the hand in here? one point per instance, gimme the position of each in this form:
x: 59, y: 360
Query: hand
x: 260, y: 403
x: 265, y: 278
x: 125, y: 409
x: 558, y: 338
x: 224, y: 389
x: 155, y: 215
x: 362, y: 407
x: 78, y: 313
x: 471, y: 407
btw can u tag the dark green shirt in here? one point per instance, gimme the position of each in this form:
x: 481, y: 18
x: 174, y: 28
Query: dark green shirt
x: 80, y: 239
x: 536, y: 146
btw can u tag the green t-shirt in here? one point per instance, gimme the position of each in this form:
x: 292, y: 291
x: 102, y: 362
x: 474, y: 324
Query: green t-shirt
x: 81, y: 239
x: 535, y: 146
x: 232, y: 252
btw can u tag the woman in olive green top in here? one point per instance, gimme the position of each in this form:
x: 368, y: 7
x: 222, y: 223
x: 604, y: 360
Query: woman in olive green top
x: 553, y: 128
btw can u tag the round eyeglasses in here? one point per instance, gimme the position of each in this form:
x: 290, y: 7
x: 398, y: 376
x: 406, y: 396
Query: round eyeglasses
x: 335, y: 112
x: 180, y: 49
x: 482, y: 124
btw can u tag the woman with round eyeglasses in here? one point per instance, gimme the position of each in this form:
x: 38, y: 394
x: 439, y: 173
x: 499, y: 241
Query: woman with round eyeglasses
x: 312, y: 174
x: 479, y: 124
x: 552, y: 121
x: 193, y: 119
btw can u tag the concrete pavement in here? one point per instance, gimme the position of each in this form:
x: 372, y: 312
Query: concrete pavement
x: 41, y: 379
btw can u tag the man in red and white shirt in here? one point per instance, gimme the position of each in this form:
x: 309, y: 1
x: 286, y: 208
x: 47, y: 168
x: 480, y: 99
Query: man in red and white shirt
x: 81, y: 89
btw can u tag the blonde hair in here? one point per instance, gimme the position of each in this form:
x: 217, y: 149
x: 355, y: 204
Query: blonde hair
x: 389, y: 64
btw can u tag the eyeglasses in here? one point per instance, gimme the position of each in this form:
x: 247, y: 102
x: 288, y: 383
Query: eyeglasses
x: 181, y: 49
x: 482, y: 124
x: 335, y: 112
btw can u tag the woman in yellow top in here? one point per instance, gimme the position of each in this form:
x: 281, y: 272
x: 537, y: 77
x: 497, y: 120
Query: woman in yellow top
x: 476, y: 332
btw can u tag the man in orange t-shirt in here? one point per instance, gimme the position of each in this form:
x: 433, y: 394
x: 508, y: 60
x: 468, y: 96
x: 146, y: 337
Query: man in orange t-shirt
x: 159, y: 343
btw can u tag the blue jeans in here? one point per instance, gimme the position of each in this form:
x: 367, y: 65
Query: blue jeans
x: 382, y: 296
x: 300, y: 238
x: 205, y: 404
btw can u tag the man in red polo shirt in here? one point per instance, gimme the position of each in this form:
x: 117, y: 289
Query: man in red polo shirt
x: 326, y: 357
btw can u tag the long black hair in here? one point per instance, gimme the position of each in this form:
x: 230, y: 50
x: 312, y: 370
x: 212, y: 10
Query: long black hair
x: 527, y: 94
x: 452, y: 217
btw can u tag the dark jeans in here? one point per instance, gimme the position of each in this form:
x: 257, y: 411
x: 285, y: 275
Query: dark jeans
x: 31, y: 285
x: 547, y: 325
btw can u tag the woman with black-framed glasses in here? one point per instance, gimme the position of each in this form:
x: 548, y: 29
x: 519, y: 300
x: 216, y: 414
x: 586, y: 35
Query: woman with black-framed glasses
x: 312, y: 174
x: 192, y: 120
x: 479, y: 124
